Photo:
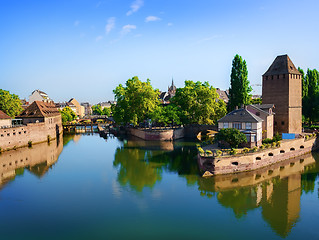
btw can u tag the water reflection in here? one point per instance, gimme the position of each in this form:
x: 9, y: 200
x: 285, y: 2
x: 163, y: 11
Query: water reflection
x: 276, y: 189
x: 37, y: 160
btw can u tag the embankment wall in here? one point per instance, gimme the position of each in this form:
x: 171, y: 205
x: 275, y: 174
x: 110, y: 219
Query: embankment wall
x: 158, y: 135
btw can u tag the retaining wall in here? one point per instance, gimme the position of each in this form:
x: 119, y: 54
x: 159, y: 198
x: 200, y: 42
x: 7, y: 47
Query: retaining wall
x: 251, y: 161
x: 158, y: 135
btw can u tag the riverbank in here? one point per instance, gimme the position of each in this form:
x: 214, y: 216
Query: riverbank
x: 227, y: 164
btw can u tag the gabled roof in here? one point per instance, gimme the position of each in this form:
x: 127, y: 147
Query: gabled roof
x: 281, y: 65
x: 240, y: 115
x: 263, y: 107
x: 4, y: 116
x: 40, y: 109
x: 223, y: 95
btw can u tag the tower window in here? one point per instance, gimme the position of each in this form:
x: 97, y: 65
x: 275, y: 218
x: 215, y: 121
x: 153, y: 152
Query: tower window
x: 282, y: 123
x: 277, y: 76
x: 266, y: 77
x: 272, y: 77
x: 284, y: 75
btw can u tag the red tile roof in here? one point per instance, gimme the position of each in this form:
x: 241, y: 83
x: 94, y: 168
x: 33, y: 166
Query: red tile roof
x: 40, y: 109
x: 4, y: 116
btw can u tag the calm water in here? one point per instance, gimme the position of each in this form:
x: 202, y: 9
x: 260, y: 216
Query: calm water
x: 87, y: 187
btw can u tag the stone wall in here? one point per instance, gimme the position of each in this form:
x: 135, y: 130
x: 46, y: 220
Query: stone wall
x: 252, y: 161
x: 36, y: 132
x: 28, y: 157
x: 158, y: 135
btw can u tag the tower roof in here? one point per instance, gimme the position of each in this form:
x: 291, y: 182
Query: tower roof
x: 40, y: 109
x: 281, y: 65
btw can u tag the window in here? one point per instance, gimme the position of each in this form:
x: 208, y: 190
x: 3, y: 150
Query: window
x: 282, y: 123
x: 225, y: 125
x: 248, y: 125
x: 237, y: 125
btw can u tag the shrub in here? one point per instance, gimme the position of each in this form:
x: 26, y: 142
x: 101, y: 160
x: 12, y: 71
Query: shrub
x: 231, y: 136
x: 208, y: 152
x: 274, y: 144
x: 267, y: 140
x: 307, y: 137
x: 262, y: 147
x: 30, y: 144
x: 255, y: 149
x: 268, y: 145
x: 218, y: 153
x: 245, y: 150
x: 233, y: 151
x: 201, y: 150
x: 277, y: 137
x: 278, y: 143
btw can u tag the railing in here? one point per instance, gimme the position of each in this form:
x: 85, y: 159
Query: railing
x: 12, y: 126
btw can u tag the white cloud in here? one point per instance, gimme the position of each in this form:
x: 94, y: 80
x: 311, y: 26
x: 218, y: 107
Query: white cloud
x: 128, y: 28
x: 169, y: 24
x: 209, y: 38
x: 76, y: 23
x: 98, y: 38
x: 110, y: 24
x: 152, y: 19
x: 135, y: 6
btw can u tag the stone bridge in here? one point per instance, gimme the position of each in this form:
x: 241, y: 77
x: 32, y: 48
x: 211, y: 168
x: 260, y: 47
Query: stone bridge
x: 192, y: 130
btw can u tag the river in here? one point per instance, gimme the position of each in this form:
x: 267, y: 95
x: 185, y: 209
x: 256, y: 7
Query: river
x: 87, y: 187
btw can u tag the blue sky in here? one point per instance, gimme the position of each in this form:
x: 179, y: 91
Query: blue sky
x: 84, y: 48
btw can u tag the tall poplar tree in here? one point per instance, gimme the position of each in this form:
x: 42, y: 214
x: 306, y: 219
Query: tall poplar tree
x: 310, y: 98
x: 239, y: 85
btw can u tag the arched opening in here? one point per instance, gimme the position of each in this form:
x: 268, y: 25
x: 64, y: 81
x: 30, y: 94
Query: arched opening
x: 301, y: 147
x: 292, y: 149
x: 258, y: 158
x: 234, y: 180
x: 235, y: 163
x: 282, y: 151
x: 270, y: 172
x: 270, y: 154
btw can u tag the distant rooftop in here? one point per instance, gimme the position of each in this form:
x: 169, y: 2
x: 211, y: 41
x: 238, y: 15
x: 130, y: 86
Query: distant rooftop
x: 40, y: 109
x: 240, y: 115
x: 4, y: 116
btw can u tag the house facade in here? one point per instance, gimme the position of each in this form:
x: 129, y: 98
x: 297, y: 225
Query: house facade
x: 79, y: 110
x: 38, y: 95
x: 246, y: 122
x: 5, y: 120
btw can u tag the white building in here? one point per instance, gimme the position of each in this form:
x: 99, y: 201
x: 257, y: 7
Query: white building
x: 38, y: 95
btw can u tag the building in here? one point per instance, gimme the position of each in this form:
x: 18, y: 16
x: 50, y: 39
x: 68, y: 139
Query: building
x: 79, y: 110
x: 265, y: 112
x: 40, y: 122
x: 246, y: 122
x: 87, y: 108
x: 282, y: 87
x: 38, y: 95
x: 5, y: 120
x: 165, y: 97
x: 62, y: 105
x: 224, y: 95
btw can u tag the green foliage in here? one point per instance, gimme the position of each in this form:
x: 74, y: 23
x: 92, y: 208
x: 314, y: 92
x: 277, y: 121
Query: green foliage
x: 166, y: 115
x: 67, y: 115
x: 218, y: 153
x: 239, y: 85
x: 97, y: 109
x: 106, y: 111
x: 135, y: 102
x: 262, y: 147
x: 245, y: 150
x: 277, y: 137
x: 232, y: 136
x: 255, y: 149
x: 29, y: 144
x: 278, y: 143
x: 10, y: 103
x: 198, y: 103
x: 310, y: 95
x: 256, y: 101
x: 267, y: 140
x: 233, y: 151
x: 208, y: 152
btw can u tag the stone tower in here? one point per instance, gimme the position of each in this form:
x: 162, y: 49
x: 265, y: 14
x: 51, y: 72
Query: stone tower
x: 172, y: 89
x: 282, y: 87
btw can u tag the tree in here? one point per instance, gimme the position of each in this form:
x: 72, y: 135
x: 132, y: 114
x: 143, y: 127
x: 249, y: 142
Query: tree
x: 10, y: 103
x: 166, y: 115
x: 256, y: 101
x: 310, y: 95
x: 135, y: 101
x: 106, y: 111
x: 232, y: 136
x: 198, y: 103
x: 97, y: 109
x: 239, y: 85
x: 67, y: 115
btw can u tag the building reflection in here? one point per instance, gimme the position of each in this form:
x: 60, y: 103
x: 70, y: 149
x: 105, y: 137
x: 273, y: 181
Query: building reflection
x: 276, y: 190
x: 37, y: 160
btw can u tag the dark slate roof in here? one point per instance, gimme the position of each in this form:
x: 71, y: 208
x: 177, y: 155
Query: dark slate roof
x: 40, y: 109
x: 263, y: 107
x: 240, y: 115
x: 4, y: 116
x: 281, y: 65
